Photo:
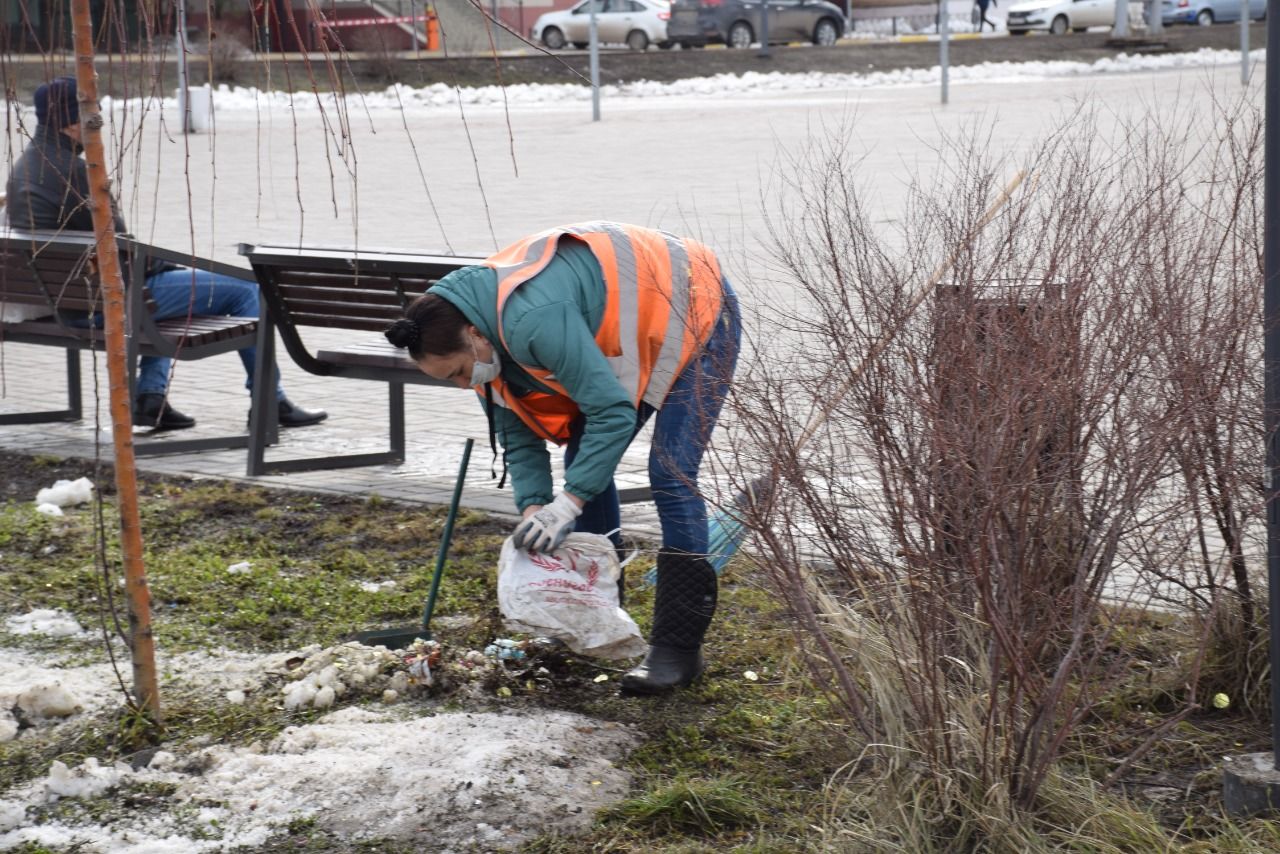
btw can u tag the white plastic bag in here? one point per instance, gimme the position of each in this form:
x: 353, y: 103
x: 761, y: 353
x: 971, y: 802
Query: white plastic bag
x: 571, y: 595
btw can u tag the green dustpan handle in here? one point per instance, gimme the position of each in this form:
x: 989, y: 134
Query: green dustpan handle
x: 446, y: 537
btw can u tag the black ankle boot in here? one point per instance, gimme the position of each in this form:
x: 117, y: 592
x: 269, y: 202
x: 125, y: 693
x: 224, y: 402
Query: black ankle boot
x: 153, y: 412
x: 289, y: 414
x: 683, y: 606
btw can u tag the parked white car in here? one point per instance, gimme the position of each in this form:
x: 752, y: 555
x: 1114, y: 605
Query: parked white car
x: 635, y: 23
x: 1059, y: 16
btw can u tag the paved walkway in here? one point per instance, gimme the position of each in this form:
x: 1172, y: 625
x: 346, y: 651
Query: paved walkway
x: 704, y: 167
x: 438, y: 421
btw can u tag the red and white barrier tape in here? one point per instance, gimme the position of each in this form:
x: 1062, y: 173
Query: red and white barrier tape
x: 365, y: 22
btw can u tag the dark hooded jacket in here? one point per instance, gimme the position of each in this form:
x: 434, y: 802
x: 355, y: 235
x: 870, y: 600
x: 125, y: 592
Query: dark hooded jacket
x: 48, y: 188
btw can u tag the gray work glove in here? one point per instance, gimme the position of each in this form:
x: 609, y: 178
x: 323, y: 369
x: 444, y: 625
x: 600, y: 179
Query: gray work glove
x: 545, y: 530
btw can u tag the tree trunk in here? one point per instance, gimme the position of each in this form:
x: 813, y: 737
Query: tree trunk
x: 142, y: 643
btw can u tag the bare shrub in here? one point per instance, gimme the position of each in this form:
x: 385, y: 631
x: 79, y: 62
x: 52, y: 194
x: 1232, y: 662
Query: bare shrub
x: 1206, y: 299
x: 1016, y: 454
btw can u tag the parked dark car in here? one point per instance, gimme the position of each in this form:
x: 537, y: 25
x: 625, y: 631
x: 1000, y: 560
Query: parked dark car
x: 737, y: 23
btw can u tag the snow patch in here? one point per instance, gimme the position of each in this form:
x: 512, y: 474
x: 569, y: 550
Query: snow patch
x: 455, y: 781
x: 12, y: 814
x: 446, y: 778
x: 48, y: 701
x: 66, y: 493
x: 40, y: 690
x: 44, y: 621
x: 87, y: 781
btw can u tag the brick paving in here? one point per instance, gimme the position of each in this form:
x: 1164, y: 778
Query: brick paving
x: 438, y: 421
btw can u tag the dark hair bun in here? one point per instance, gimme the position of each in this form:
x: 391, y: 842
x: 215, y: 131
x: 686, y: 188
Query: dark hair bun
x: 403, y: 333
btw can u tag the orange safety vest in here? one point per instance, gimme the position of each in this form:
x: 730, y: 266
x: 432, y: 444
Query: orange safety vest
x: 663, y: 296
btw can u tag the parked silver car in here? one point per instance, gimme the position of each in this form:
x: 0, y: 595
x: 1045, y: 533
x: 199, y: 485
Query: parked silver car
x: 737, y: 23
x: 635, y: 23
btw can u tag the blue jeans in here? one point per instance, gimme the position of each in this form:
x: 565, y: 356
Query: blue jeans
x: 681, y: 433
x: 180, y: 292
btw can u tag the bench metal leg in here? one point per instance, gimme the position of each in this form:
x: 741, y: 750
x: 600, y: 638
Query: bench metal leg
x: 160, y: 447
x: 395, y: 454
x: 75, y: 406
x: 395, y: 401
x: 263, y: 416
x: 148, y: 447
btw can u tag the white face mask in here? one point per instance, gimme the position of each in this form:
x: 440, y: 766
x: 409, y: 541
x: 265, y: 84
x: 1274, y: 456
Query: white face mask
x: 484, y: 372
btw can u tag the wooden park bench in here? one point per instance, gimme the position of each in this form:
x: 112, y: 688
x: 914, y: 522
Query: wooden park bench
x: 362, y: 292
x: 48, y: 280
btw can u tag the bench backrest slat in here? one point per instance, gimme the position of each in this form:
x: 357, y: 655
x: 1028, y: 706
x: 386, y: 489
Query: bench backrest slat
x: 345, y: 290
x: 352, y: 311
x: 330, y: 322
x: 343, y: 295
x: 361, y: 279
x: 55, y: 277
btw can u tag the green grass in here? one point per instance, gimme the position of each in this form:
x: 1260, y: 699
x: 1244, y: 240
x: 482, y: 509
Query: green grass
x: 308, y: 558
x: 693, y: 807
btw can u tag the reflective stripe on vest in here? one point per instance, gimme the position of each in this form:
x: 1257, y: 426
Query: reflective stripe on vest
x: 662, y: 298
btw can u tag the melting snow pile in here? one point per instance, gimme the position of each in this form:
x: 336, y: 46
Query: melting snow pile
x: 34, y: 695
x: 457, y: 781
x: 41, y: 694
x: 330, y: 673
x: 250, y: 101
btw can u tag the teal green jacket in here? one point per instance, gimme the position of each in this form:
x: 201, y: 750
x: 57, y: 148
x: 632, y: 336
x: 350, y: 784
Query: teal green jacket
x: 550, y: 322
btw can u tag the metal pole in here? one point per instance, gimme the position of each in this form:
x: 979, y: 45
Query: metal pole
x: 1121, y: 28
x: 184, y: 96
x: 595, y: 64
x: 1244, y: 42
x: 446, y: 537
x: 943, y: 32
x: 1271, y: 354
x: 1155, y: 17
x: 764, y: 29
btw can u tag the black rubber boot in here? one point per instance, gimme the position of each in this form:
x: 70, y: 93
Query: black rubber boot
x: 683, y: 606
x: 153, y: 412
